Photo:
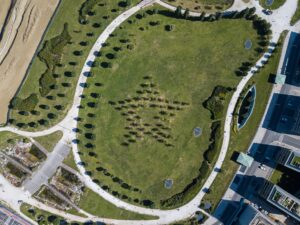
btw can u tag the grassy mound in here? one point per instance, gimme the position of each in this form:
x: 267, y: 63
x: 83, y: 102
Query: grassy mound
x: 145, y: 96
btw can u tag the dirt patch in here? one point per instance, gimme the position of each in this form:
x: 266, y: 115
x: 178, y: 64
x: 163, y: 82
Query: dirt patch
x: 23, y: 26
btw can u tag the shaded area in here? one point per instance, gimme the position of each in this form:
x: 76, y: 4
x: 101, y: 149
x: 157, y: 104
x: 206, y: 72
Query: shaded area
x: 283, y: 115
x: 291, y: 65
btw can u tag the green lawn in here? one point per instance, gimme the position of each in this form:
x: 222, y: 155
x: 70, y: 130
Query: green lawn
x: 6, y: 138
x: 91, y: 203
x: 240, y: 141
x: 276, y: 4
x: 202, y: 5
x: 96, y: 205
x: 54, y: 106
x: 296, y: 160
x: 185, y: 65
x: 70, y: 161
x: 296, y: 16
x: 49, y: 141
x: 276, y: 175
x: 35, y: 214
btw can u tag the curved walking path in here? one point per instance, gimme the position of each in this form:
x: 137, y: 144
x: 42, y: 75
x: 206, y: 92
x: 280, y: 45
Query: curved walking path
x: 279, y: 21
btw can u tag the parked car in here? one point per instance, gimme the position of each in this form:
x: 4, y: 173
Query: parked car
x: 262, y: 167
x: 267, y: 11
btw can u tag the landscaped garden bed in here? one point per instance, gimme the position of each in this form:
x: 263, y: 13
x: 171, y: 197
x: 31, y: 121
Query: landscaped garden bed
x: 246, y: 107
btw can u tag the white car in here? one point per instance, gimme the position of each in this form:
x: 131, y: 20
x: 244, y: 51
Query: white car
x: 262, y: 167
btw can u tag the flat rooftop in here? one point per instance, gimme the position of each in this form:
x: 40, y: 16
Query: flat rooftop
x: 293, y: 161
x: 285, y: 201
x: 7, y: 217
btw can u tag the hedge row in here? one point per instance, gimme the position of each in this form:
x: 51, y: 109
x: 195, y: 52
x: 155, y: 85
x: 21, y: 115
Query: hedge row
x: 26, y: 104
x: 261, y: 25
x: 86, y: 9
x: 209, y: 157
x: 179, y: 198
x: 51, y: 55
x: 215, y: 103
x: 211, y: 153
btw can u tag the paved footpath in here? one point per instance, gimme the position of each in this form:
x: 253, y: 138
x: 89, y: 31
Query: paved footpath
x: 48, y: 168
x: 279, y: 21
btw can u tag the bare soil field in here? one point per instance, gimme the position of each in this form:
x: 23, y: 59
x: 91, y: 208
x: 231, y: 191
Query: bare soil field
x: 22, y: 24
x: 5, y: 4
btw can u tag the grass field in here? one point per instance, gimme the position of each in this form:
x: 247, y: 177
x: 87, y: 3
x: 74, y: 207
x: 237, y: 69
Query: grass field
x: 92, y: 203
x: 276, y: 4
x: 42, y: 216
x: 49, y: 141
x: 202, y: 5
x: 5, y: 138
x: 240, y: 141
x: 184, y: 65
x: 96, y: 205
x: 276, y: 175
x: 296, y: 16
x: 70, y: 161
x: 53, y: 107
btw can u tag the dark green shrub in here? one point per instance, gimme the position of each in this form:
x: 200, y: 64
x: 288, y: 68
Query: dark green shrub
x: 27, y: 104
x: 215, y: 103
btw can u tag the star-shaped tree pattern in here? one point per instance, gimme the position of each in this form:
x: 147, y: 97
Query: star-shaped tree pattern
x: 148, y: 114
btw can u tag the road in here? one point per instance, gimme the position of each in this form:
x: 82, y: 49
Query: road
x: 279, y: 21
x: 246, y: 183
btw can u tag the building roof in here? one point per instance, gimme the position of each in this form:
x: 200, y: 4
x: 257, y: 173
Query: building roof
x: 285, y: 201
x: 280, y: 79
x: 247, y: 215
x: 244, y: 159
x: 9, y: 217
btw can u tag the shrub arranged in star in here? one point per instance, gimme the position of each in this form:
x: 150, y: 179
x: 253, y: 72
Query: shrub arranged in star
x: 148, y: 114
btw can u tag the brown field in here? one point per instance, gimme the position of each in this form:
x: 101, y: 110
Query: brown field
x: 3, y: 12
x: 22, y: 24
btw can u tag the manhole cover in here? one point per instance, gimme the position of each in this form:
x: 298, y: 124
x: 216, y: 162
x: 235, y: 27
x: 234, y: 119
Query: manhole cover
x: 197, y: 132
x: 168, y: 183
x: 248, y: 44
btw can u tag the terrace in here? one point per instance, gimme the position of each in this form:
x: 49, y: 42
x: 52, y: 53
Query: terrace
x: 295, y: 161
x: 285, y: 201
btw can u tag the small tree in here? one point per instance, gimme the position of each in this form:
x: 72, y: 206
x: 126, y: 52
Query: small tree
x: 128, y: 3
x: 202, y: 16
x: 186, y: 14
x: 178, y: 13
